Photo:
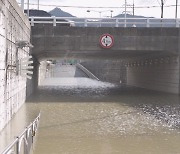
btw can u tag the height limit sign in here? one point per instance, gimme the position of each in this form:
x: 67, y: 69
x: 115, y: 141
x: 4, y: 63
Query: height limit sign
x: 106, y: 41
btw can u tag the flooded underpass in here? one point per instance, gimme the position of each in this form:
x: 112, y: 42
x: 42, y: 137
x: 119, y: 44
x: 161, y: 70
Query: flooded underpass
x: 85, y: 116
x: 91, y: 117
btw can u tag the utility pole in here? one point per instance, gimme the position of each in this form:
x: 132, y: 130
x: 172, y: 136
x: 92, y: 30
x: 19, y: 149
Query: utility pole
x: 133, y: 8
x: 162, y: 7
x: 176, y: 9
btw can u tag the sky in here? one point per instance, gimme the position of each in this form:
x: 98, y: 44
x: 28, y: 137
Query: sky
x: 117, y: 6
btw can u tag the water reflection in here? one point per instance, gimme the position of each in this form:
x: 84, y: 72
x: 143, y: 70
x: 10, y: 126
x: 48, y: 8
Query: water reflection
x: 88, y: 116
x: 83, y: 116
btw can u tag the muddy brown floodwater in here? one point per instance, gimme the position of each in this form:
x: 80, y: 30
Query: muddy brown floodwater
x: 83, y: 116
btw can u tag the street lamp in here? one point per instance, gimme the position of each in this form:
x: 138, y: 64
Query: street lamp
x: 38, y: 4
x: 125, y: 13
x: 100, y: 12
x: 111, y: 12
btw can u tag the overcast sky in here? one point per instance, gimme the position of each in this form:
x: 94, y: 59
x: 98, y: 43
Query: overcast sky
x: 169, y: 12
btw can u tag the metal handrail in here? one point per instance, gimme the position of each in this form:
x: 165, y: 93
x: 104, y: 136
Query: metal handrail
x: 27, y: 136
x: 104, y: 22
x: 87, y: 72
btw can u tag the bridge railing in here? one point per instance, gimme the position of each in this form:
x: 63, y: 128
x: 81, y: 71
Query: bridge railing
x: 106, y: 22
x: 23, y: 142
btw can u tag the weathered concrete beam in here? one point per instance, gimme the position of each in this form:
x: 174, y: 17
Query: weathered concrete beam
x: 83, y: 42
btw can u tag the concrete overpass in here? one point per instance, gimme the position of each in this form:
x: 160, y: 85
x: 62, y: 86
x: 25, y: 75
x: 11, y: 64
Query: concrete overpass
x: 83, y: 42
x: 140, y: 56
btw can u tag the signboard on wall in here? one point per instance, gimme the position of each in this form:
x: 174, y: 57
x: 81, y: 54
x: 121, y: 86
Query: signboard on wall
x: 106, y: 41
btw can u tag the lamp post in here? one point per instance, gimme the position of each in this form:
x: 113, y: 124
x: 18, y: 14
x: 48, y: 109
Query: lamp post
x: 111, y: 13
x: 38, y: 4
x: 100, y: 12
x: 125, y: 13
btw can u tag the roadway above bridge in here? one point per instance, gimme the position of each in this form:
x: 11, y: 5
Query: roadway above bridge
x: 84, y: 42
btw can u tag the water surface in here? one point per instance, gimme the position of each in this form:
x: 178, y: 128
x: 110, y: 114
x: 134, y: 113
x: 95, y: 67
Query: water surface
x: 83, y: 116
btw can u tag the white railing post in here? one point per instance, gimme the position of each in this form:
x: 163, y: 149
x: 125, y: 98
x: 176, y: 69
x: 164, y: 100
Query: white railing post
x: 54, y: 21
x: 147, y: 24
x: 85, y: 23
x: 117, y: 23
x: 17, y: 146
x: 161, y: 22
x: 100, y: 24
x: 32, y: 21
x: 177, y: 22
x: 125, y: 22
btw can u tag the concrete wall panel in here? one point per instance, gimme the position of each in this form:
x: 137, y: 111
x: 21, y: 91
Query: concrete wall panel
x: 14, y: 26
x: 162, y: 76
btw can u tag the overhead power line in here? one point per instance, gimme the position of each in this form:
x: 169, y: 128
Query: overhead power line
x: 99, y: 7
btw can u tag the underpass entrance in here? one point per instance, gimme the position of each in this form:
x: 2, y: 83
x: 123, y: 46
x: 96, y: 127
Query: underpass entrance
x: 81, y: 115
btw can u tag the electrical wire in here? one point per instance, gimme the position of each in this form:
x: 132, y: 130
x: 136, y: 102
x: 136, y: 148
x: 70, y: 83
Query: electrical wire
x: 98, y: 7
x: 158, y: 2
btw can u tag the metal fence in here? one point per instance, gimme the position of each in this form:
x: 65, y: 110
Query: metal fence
x: 105, y: 22
x: 23, y: 142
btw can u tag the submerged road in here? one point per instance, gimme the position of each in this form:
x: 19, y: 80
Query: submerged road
x: 83, y: 116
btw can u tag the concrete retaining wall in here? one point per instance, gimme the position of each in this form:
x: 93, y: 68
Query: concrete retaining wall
x: 160, y: 74
x: 14, y: 26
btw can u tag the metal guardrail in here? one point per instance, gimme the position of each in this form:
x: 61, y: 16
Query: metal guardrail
x: 87, y: 72
x: 106, y: 22
x: 23, y: 142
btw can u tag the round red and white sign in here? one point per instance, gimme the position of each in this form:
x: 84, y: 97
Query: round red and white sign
x: 106, y: 41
